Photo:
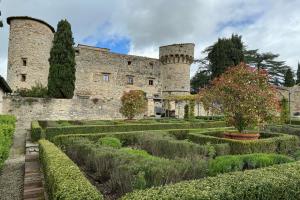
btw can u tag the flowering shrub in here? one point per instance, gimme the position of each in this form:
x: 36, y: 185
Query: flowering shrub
x: 243, y: 95
x: 133, y: 102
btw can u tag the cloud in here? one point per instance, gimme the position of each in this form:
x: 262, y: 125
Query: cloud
x: 141, y: 26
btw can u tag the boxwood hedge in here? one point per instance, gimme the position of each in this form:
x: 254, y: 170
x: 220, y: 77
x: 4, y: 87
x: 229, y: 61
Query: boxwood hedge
x: 275, y: 143
x: 279, y: 182
x: 125, y: 169
x: 63, y: 179
x: 7, y: 128
x: 36, y: 131
x: 155, y: 143
x: 54, y: 131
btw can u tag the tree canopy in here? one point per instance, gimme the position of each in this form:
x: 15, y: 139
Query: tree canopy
x: 61, y: 79
x: 289, y: 78
x: 244, y: 95
x: 133, y: 103
x: 227, y: 52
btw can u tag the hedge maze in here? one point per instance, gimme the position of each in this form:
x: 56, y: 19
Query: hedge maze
x: 165, y: 160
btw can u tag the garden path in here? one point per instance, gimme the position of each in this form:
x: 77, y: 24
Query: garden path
x: 12, y: 178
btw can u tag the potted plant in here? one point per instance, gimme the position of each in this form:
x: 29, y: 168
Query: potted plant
x: 246, y: 98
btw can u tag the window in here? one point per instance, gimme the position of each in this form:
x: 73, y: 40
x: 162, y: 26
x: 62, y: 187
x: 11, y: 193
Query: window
x: 105, y: 77
x: 129, y: 62
x: 23, y: 77
x: 130, y: 80
x: 151, y: 82
x: 24, y: 61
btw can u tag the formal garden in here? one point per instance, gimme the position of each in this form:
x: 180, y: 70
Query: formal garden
x: 247, y: 153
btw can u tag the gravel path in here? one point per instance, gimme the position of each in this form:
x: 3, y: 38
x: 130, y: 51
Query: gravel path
x: 12, y: 176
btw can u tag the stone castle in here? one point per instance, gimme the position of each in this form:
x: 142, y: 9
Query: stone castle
x: 99, y: 73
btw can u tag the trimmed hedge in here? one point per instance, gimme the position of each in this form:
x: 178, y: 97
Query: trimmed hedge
x: 36, y: 131
x: 64, y: 180
x: 276, y: 143
x: 215, y: 118
x: 287, y: 129
x: 295, y: 122
x: 54, y: 131
x: 156, y: 143
x: 110, y: 142
x: 126, y: 169
x: 7, y: 129
x: 280, y: 182
x: 168, y: 147
x: 230, y: 163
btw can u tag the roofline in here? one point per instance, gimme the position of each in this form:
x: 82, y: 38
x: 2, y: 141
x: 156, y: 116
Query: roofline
x: 4, y: 85
x: 107, y: 50
x: 30, y: 18
x: 189, y: 43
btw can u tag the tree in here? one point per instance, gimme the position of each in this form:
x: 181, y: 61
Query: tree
x: 226, y: 52
x: 284, y: 113
x: 244, y: 95
x: 229, y: 52
x: 61, y: 79
x: 298, y: 74
x: 133, y: 103
x: 1, y: 23
x: 289, y: 78
x: 200, y: 80
x: 266, y: 61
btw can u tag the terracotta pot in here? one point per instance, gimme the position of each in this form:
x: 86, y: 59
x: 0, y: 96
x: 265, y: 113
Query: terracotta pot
x: 242, y: 136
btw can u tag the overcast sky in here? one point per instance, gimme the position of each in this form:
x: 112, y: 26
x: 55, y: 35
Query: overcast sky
x: 140, y: 26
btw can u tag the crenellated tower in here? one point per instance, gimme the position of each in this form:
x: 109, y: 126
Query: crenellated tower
x: 176, y: 60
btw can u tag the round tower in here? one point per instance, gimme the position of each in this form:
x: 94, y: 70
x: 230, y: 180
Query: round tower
x: 30, y: 42
x: 176, y: 60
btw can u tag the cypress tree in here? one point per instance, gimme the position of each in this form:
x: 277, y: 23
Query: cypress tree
x: 61, y: 79
x: 298, y: 74
x: 289, y: 78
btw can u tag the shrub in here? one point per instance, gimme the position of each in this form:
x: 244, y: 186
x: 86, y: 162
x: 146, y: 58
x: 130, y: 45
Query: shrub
x: 38, y: 91
x: 167, y: 147
x: 281, y: 182
x: 54, y: 131
x: 191, y: 109
x: 110, y: 142
x: 284, y: 113
x: 186, y: 111
x: 36, y: 131
x: 133, y: 103
x: 63, y: 178
x: 230, y: 163
x: 215, y: 118
x: 277, y: 143
x: 7, y: 128
x: 179, y: 134
x: 127, y: 169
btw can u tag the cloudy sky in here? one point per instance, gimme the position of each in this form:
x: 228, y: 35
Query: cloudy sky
x: 140, y: 26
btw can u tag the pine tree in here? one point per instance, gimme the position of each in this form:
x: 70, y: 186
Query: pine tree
x: 61, y: 79
x: 298, y: 74
x: 276, y: 69
x: 289, y: 78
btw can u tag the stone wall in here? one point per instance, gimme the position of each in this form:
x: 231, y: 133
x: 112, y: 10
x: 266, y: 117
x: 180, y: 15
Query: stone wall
x: 294, y: 97
x: 27, y: 109
x: 93, y: 63
x: 30, y: 41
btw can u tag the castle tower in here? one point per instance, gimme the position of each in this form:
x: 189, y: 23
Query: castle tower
x: 30, y: 42
x: 176, y: 60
